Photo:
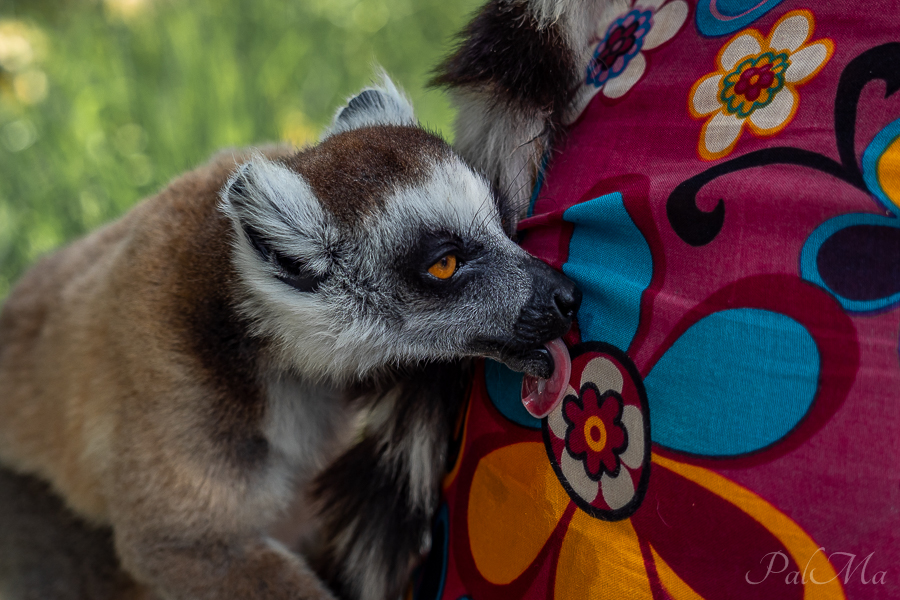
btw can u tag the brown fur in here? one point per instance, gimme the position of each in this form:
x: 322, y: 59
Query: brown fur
x: 351, y: 174
x: 144, y: 415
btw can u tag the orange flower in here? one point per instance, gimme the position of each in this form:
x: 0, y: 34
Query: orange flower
x: 516, y: 484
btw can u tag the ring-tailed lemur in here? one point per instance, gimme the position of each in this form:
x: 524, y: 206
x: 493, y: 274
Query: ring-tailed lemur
x: 181, y: 375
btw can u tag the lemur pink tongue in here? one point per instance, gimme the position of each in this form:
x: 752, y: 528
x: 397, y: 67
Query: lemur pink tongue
x: 540, y: 396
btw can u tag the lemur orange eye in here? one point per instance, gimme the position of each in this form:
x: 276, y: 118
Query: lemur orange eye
x: 444, y: 268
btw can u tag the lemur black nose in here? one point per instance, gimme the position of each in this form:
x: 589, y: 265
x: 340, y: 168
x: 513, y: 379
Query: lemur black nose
x: 567, y: 300
x: 555, y: 300
x: 561, y: 293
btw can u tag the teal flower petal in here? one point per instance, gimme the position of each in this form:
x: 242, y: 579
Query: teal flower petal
x: 706, y: 399
x: 610, y: 261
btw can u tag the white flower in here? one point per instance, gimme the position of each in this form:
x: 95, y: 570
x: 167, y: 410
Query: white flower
x: 755, y: 83
x: 618, y: 60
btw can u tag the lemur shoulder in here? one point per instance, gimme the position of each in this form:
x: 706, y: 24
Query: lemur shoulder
x: 179, y: 377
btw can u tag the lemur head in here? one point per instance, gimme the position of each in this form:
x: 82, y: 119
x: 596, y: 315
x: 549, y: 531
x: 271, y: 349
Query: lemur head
x: 380, y: 247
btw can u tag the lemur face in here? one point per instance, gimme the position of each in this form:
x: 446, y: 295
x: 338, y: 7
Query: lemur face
x: 380, y: 247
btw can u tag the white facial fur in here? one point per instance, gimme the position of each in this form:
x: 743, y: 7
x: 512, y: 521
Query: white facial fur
x: 453, y: 199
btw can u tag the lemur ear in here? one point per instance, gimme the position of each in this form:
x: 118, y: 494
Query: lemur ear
x: 279, y: 222
x: 381, y: 104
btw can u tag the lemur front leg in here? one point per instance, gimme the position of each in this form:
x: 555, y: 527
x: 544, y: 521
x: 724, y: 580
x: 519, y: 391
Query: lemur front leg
x: 218, y: 568
x: 189, y: 512
x: 377, y: 500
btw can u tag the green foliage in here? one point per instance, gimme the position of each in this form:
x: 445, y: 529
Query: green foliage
x: 101, y: 103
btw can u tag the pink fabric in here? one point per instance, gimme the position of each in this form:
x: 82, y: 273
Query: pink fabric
x: 757, y: 346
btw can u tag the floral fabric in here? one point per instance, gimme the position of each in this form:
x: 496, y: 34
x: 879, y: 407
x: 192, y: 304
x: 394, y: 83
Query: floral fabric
x: 729, y: 202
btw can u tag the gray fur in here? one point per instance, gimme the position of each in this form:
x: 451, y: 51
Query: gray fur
x: 380, y: 104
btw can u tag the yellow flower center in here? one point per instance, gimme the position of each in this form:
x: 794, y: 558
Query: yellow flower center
x: 595, y: 433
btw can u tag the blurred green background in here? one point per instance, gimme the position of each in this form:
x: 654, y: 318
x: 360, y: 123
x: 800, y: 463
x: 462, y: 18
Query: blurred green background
x: 104, y: 101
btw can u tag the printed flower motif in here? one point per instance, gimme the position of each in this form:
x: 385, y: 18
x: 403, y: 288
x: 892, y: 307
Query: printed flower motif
x: 507, y: 555
x: 594, y: 434
x: 659, y: 534
x: 756, y: 82
x: 618, y: 61
x: 622, y: 43
x: 650, y: 547
x: 597, y: 438
x: 520, y: 517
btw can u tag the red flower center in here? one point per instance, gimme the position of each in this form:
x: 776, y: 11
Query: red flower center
x: 595, y: 434
x: 620, y: 42
x: 754, y: 80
